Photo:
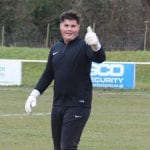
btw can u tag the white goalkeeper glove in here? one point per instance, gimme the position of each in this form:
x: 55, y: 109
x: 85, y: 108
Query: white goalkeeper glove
x: 92, y: 39
x: 31, y: 101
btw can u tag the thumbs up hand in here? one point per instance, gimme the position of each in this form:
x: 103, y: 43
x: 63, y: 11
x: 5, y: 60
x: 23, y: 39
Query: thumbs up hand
x: 92, y: 39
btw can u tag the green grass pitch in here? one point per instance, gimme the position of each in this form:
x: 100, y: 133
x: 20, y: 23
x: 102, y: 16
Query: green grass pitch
x: 120, y: 120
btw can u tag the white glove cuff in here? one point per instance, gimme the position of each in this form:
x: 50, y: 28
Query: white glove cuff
x: 96, y: 47
x: 35, y: 93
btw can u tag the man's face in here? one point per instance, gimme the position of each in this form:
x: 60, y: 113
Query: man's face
x: 69, y: 30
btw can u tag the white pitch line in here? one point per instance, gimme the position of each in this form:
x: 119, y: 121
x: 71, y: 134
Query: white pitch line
x: 21, y: 115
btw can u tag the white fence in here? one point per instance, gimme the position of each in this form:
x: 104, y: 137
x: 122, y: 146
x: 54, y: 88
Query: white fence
x: 44, y: 61
x: 11, y: 70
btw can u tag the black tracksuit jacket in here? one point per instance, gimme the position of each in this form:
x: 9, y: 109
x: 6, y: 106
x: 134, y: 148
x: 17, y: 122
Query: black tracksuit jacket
x: 69, y: 66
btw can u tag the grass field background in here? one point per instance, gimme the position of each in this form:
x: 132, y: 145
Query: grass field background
x: 120, y: 119
x: 30, y: 78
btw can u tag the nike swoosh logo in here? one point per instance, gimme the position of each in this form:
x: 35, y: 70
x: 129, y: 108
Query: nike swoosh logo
x: 55, y: 53
x: 81, y: 101
x: 77, y: 116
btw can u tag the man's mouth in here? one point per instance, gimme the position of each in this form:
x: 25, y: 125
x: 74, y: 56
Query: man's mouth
x: 69, y: 34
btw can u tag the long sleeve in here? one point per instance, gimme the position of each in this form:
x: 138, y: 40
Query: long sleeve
x: 98, y: 56
x: 47, y: 76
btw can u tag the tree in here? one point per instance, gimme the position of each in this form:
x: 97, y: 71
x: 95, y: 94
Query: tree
x: 119, y: 23
x: 7, y: 16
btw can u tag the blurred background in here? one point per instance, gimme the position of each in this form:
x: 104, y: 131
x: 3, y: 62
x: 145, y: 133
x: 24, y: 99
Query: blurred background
x: 120, y: 24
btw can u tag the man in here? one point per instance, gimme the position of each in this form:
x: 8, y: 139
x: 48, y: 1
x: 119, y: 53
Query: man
x: 69, y: 65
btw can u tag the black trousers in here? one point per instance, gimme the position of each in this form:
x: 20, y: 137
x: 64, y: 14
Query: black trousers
x: 67, y: 125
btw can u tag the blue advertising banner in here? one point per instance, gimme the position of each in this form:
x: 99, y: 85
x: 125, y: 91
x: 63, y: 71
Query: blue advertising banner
x: 119, y: 75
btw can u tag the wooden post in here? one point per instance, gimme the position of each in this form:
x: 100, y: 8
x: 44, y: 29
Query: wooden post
x: 146, y: 31
x: 3, y: 32
x: 93, y: 26
x: 47, y: 36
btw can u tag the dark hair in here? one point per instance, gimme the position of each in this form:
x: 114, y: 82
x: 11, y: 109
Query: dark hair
x: 70, y: 15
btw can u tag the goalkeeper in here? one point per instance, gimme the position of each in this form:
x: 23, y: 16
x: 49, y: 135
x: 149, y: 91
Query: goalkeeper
x: 69, y: 65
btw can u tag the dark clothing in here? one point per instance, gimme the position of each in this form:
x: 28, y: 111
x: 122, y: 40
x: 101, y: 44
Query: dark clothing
x: 69, y: 66
x: 67, y: 126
